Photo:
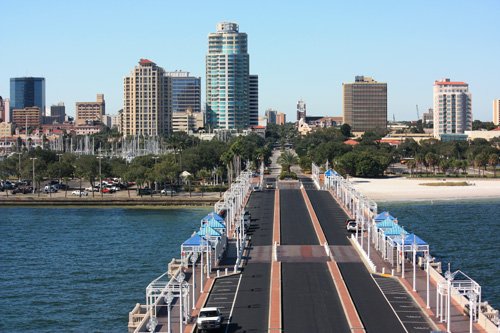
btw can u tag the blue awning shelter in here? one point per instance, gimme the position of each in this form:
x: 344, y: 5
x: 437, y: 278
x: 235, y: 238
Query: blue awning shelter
x: 213, y: 215
x: 386, y: 224
x: 382, y: 216
x: 330, y: 173
x: 396, y: 230
x: 194, y: 244
x: 206, y: 231
x: 214, y: 224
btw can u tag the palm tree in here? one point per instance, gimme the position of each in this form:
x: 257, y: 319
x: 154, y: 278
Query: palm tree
x: 287, y: 159
x: 493, y: 161
x: 202, y: 174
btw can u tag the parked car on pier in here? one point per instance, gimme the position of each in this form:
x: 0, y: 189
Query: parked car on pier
x: 80, y: 193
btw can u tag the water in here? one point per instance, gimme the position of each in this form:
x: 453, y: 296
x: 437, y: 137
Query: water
x: 83, y: 269
x: 465, y: 234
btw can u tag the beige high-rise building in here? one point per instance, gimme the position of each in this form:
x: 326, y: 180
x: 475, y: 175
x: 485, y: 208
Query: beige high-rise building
x: 146, y: 101
x: 364, y: 104
x: 30, y: 117
x: 280, y: 118
x: 90, y: 111
x: 496, y: 112
x: 187, y: 121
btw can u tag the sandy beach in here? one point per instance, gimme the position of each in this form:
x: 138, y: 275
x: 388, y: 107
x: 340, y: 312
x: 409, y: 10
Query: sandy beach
x: 407, y: 189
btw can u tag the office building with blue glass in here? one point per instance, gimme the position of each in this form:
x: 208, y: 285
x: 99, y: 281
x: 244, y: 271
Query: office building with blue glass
x: 186, y: 91
x: 27, y: 92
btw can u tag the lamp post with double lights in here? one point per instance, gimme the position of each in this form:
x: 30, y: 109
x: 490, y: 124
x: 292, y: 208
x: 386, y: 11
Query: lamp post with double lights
x: 428, y: 259
x: 402, y: 252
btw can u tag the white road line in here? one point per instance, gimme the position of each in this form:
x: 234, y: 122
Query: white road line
x: 234, y: 301
x: 389, y: 304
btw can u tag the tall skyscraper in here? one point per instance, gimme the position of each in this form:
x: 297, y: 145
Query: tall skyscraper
x: 496, y: 112
x: 301, y: 110
x: 253, y: 100
x: 91, y: 111
x: 452, y: 107
x: 146, y: 101
x: 280, y: 118
x: 227, y: 78
x: 2, y: 110
x: 364, y: 104
x: 186, y: 91
x: 27, y: 92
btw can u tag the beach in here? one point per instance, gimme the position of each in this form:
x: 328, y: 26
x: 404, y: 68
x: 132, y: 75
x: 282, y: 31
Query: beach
x: 410, y: 189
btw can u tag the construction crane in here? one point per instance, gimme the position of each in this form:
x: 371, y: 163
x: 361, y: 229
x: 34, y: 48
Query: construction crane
x: 418, y: 114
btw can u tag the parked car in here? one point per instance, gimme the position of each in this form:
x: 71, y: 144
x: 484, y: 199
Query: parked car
x: 256, y: 189
x: 107, y: 190
x: 22, y: 190
x: 61, y: 186
x: 144, y: 191
x: 80, y: 193
x: 352, y: 226
x: 168, y: 192
x: 49, y: 189
x: 269, y: 186
x: 209, y: 319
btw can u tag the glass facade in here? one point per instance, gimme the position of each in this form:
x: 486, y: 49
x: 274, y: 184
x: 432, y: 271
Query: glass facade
x: 186, y: 92
x: 27, y: 92
x: 227, y: 75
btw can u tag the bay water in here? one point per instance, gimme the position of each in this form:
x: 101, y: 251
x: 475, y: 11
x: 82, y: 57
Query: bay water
x: 465, y: 234
x: 83, y: 269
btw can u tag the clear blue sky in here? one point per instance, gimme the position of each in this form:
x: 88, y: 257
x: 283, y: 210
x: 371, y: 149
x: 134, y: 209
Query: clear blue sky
x: 299, y: 49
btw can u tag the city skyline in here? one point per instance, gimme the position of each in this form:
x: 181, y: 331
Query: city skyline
x: 300, y: 51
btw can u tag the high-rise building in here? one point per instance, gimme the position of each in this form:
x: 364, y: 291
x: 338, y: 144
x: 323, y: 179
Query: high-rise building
x: 2, y: 110
x: 187, y: 121
x: 271, y: 116
x: 90, y: 111
x: 364, y: 104
x: 186, y: 91
x: 6, y: 110
x: 146, y: 101
x: 227, y: 78
x: 30, y: 117
x: 496, y: 112
x: 301, y: 110
x: 428, y: 117
x: 253, y: 101
x: 58, y: 112
x: 280, y: 118
x: 452, y: 107
x: 27, y: 92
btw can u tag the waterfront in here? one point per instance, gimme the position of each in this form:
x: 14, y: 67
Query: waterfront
x: 464, y: 233
x: 83, y: 269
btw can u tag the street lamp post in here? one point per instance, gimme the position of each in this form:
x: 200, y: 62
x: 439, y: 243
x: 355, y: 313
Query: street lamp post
x: 194, y: 258
x: 156, y: 183
x: 100, y: 177
x: 403, y: 254
x: 59, y: 156
x: 180, y: 278
x: 169, y: 298
x: 414, y: 248
x: 33, y: 159
x: 449, y: 279
x: 428, y: 260
x: 19, y: 166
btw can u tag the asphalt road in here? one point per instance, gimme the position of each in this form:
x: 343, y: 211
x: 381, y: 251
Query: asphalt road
x: 310, y: 300
x: 374, y: 310
x: 296, y: 226
x: 251, y: 309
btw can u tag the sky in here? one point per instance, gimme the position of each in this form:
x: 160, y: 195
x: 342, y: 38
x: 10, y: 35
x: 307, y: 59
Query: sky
x: 300, y: 49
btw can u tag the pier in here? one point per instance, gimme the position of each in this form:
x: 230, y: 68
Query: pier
x: 295, y: 268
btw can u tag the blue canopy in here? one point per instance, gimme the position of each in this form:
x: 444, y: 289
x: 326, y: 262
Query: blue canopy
x: 411, y: 239
x: 382, y: 216
x: 213, y: 223
x: 213, y: 215
x: 208, y: 231
x: 387, y: 223
x: 195, y: 240
x: 330, y: 173
x: 394, y: 231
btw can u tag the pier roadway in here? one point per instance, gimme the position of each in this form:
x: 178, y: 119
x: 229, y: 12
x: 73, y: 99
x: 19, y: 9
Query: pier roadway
x: 251, y: 308
x: 373, y: 308
x: 309, y: 298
